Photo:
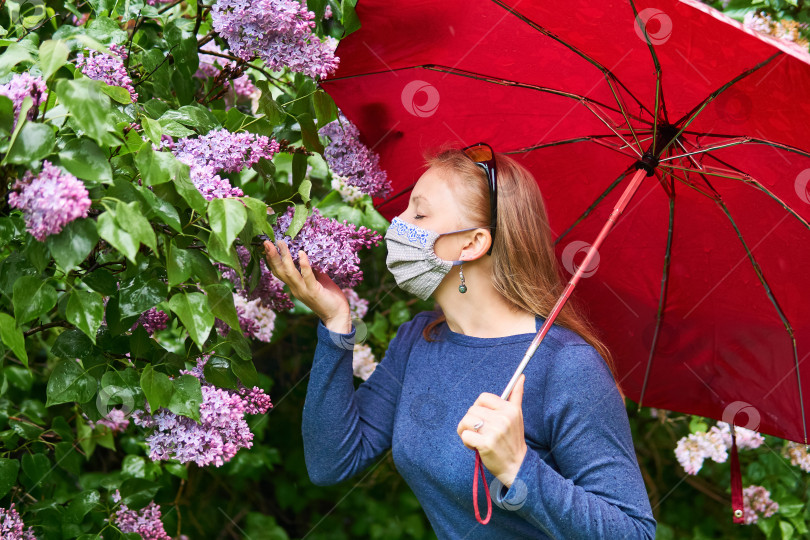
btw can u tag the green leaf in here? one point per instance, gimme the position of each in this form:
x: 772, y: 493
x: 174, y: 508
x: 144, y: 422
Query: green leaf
x: 81, y: 504
x: 787, y: 529
x: 9, y: 468
x: 67, y: 457
x: 118, y: 93
x: 160, y: 208
x: 217, y: 371
x: 245, y: 370
x: 269, y: 106
x: 325, y: 108
x: 35, y: 467
x: 32, y: 298
x: 6, y: 116
x: 157, y: 387
x: 130, y: 217
x: 309, y: 134
x: 192, y: 310
x: 34, y: 142
x: 349, y: 19
x: 13, y: 338
x: 202, y: 268
x: 138, y: 295
x: 227, y: 218
x: 152, y: 129
x: 85, y: 310
x: 84, y: 159
x: 16, y: 53
x: 257, y: 218
x: 220, y: 300
x: 155, y: 167
x: 179, y: 264
x: 74, y: 243
x: 89, y: 108
x: 298, y: 220
x: 70, y: 382
x: 187, y: 397
x: 53, y: 54
x: 175, y: 129
x: 192, y: 116
x: 118, y: 238
x: 188, y: 191
x: 102, y: 281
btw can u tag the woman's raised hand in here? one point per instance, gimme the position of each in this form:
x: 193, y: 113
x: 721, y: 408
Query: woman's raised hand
x: 315, y: 289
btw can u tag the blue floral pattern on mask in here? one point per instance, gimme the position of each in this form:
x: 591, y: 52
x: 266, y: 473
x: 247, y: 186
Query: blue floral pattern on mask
x: 411, y: 232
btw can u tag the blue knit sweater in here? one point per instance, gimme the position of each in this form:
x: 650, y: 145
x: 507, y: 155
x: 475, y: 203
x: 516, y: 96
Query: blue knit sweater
x: 579, y: 478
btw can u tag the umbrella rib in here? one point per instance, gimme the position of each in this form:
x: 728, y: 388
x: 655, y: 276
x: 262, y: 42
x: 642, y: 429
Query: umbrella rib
x: 595, y: 203
x: 777, y: 307
x: 690, y: 117
x: 717, y: 146
x: 598, y: 139
x: 605, y: 71
x: 662, y: 298
x: 507, y: 82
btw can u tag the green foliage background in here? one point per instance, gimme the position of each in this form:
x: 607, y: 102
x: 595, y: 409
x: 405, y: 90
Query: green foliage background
x: 56, y: 469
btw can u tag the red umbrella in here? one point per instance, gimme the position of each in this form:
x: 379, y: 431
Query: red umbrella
x: 699, y: 288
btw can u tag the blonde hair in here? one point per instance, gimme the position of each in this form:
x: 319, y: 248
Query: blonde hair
x: 524, y: 270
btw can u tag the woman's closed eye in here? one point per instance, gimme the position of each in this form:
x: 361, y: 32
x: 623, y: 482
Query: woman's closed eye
x: 418, y: 216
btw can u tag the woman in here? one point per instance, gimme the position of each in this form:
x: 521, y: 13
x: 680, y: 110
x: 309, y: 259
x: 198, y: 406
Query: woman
x: 558, y: 453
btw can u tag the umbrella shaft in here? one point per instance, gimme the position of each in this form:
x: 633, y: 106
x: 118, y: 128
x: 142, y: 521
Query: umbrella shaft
x: 538, y: 338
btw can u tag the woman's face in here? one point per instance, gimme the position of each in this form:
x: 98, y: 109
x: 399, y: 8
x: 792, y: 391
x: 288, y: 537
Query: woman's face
x: 434, y: 206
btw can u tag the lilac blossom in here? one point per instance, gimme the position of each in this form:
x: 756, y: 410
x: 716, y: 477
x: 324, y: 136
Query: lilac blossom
x: 270, y: 289
x: 714, y: 444
x: 152, y: 320
x: 220, y: 433
x: 218, y: 151
x: 798, y: 455
x: 108, y: 68
x: 116, y: 420
x: 331, y: 246
x: 277, y: 31
x: 212, y: 66
x: 352, y: 160
x: 757, y: 503
x: 22, y: 85
x: 348, y: 193
x: 255, y: 320
x: 357, y: 306
x: 145, y: 522
x: 363, y: 361
x: 11, y: 525
x: 49, y: 200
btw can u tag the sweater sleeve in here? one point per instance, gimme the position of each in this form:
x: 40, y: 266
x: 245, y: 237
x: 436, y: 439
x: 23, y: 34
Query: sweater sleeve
x: 345, y: 430
x: 599, y: 491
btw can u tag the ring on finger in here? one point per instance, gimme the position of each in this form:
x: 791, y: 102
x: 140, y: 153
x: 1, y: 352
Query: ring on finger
x: 478, y: 425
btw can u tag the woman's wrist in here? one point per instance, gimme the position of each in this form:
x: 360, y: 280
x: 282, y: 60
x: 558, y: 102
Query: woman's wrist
x: 341, y: 324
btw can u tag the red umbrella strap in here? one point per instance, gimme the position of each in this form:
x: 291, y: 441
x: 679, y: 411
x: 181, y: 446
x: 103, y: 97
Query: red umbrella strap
x: 736, y: 482
x: 480, y: 466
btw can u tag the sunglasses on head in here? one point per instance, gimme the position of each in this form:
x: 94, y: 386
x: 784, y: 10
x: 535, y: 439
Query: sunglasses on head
x: 482, y: 154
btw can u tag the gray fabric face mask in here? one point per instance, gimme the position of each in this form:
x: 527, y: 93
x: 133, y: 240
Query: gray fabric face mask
x: 412, y: 260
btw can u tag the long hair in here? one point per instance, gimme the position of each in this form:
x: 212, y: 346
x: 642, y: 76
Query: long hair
x: 525, y: 269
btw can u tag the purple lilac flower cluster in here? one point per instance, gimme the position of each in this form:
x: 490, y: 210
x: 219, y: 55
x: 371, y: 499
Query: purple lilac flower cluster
x: 255, y: 320
x: 116, y: 420
x: 152, y: 320
x: 49, y: 200
x: 270, y: 290
x: 221, y: 150
x: 357, y: 306
x: 331, y: 246
x: 108, y: 68
x: 352, y: 160
x: 145, y: 521
x: 757, y: 503
x: 11, y: 525
x: 22, y: 85
x: 222, y: 429
x: 278, y: 31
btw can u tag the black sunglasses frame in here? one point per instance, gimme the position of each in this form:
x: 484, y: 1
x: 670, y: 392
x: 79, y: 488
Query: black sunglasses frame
x: 492, y: 176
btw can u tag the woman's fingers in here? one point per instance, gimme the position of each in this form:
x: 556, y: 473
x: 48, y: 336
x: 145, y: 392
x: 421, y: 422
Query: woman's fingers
x: 306, y: 270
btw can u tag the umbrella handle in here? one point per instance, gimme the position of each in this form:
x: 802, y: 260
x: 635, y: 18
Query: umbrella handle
x: 480, y: 466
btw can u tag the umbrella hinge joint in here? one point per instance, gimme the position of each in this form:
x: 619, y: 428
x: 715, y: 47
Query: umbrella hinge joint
x: 648, y: 162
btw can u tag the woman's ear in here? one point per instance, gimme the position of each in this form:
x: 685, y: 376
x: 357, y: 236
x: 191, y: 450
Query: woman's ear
x: 476, y: 246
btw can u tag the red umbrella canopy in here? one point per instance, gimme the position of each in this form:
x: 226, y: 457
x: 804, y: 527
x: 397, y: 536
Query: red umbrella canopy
x: 700, y: 287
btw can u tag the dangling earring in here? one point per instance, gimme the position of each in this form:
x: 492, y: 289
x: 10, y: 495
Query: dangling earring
x: 461, y: 288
